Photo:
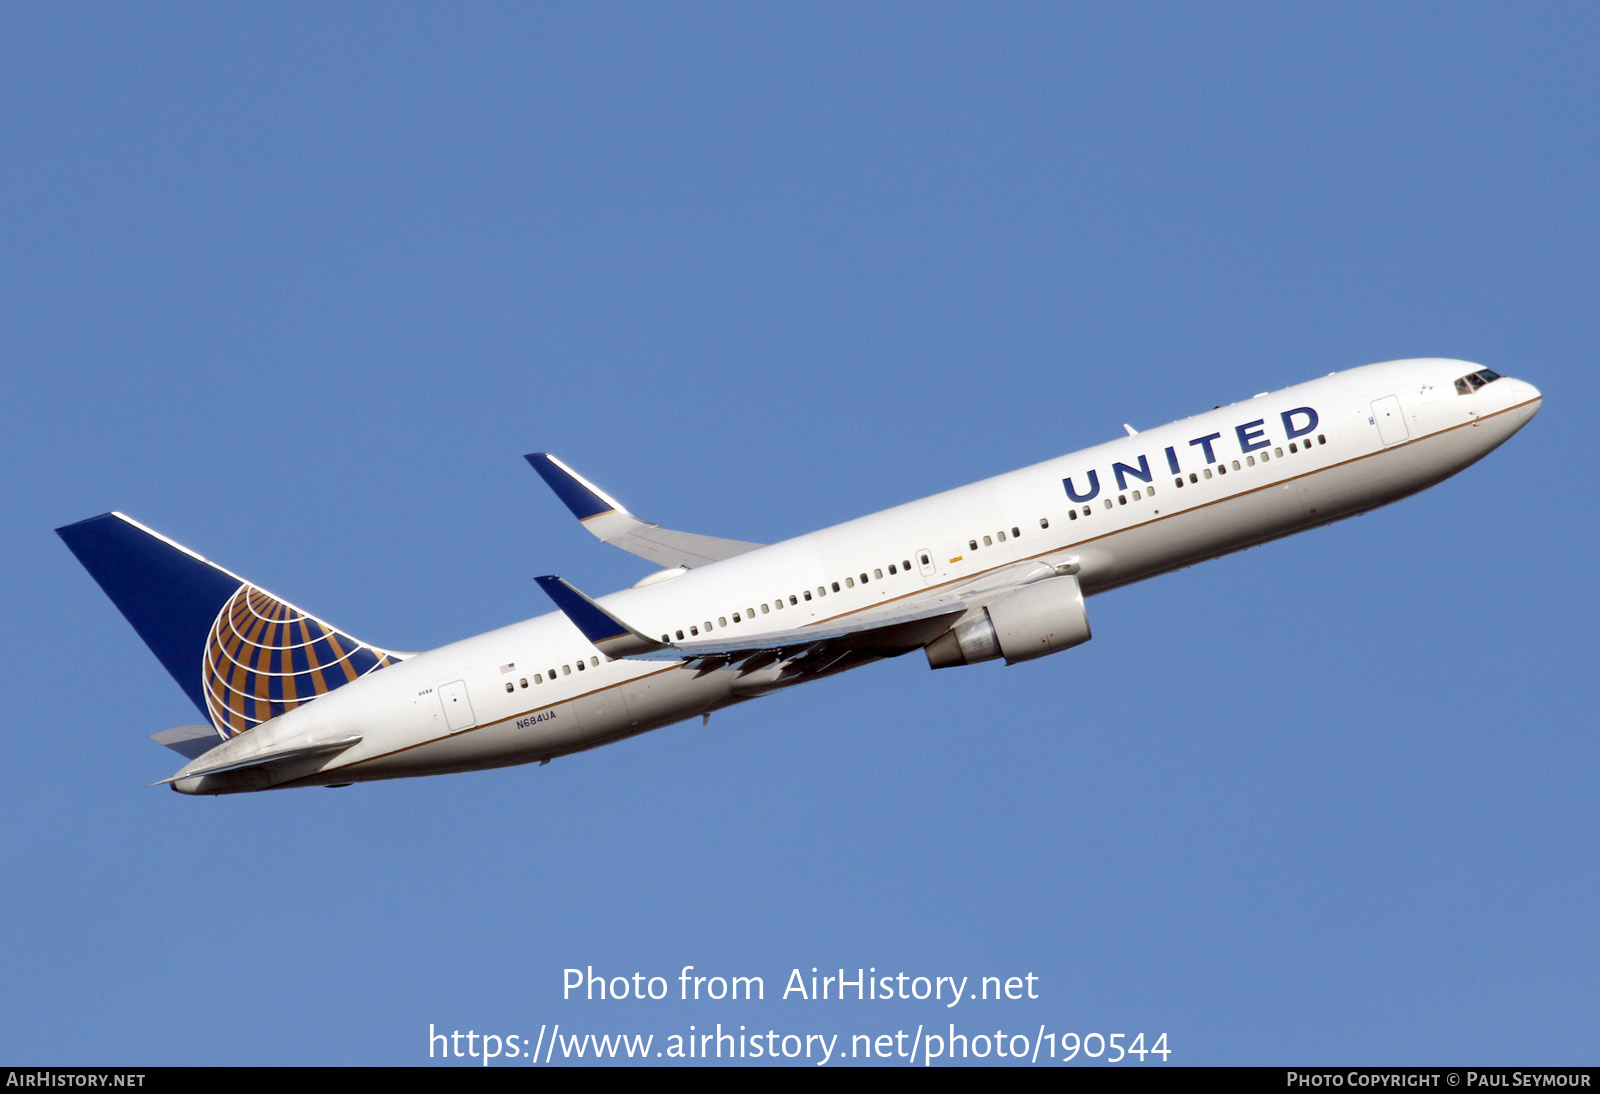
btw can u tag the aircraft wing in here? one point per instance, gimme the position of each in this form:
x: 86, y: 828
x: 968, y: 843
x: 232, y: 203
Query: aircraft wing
x: 897, y: 627
x: 614, y: 638
x: 609, y: 521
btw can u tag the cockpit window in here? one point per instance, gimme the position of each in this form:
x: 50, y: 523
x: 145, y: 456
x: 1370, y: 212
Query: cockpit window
x: 1473, y: 381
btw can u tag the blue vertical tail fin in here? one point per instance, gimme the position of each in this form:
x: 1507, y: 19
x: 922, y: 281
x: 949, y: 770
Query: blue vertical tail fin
x: 241, y: 654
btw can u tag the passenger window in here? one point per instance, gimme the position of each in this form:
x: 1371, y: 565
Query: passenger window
x: 736, y: 617
x: 972, y: 545
x: 580, y: 666
x: 765, y: 610
x: 1222, y: 469
x: 1088, y: 509
x: 1193, y: 477
x: 892, y: 570
x: 523, y: 681
x: 694, y: 630
x: 708, y: 626
x: 806, y: 594
x: 793, y: 599
x: 988, y: 542
x: 1001, y: 536
x: 1122, y: 499
x: 1321, y: 439
x: 923, y: 558
x: 849, y: 583
x: 1108, y: 503
x: 680, y: 635
x: 595, y: 661
x: 1177, y: 481
x: 1278, y: 452
x: 538, y: 678
x: 1236, y: 465
x: 566, y: 670
x: 835, y: 586
x: 1250, y: 461
x: 905, y: 564
x: 878, y: 574
x: 509, y: 686
x: 1072, y: 514
x: 1292, y: 448
x: 863, y: 579
x: 1016, y: 533
x: 1206, y: 472
x: 1044, y: 522
x: 722, y: 621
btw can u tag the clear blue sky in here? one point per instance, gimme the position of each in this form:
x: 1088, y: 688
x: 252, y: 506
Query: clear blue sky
x: 298, y: 286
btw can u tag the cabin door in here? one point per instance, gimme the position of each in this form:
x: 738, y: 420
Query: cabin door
x: 457, y: 708
x: 1390, y: 420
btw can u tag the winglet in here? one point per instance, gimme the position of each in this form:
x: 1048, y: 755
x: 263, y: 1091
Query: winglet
x: 577, y: 493
x: 608, y: 520
x: 610, y: 635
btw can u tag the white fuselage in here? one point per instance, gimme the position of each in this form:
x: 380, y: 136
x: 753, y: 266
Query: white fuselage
x: 1119, y: 512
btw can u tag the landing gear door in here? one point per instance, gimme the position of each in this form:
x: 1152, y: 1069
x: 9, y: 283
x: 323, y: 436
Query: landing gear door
x: 457, y: 707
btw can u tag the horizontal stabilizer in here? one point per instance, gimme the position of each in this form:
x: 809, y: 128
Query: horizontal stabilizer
x: 608, y: 520
x: 191, y: 742
x: 242, y: 758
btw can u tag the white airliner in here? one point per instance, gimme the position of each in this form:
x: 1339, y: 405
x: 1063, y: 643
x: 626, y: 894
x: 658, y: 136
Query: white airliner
x: 995, y: 570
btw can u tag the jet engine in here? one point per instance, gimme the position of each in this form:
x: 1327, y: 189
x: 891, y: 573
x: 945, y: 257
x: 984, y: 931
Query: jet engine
x: 1019, y: 625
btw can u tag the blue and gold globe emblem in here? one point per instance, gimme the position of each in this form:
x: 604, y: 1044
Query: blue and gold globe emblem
x: 265, y: 656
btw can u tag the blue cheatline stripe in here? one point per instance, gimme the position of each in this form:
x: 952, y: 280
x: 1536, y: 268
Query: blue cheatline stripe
x: 583, y: 502
x: 591, y: 621
x: 170, y: 597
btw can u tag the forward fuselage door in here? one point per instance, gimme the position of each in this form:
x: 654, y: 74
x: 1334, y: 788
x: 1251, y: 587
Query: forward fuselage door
x: 457, y: 707
x: 1390, y: 420
x: 926, y: 566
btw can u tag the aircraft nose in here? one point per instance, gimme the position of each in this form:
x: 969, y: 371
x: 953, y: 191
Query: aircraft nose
x: 1522, y: 399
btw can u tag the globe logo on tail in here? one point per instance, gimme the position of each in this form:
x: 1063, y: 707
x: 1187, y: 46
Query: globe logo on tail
x: 264, y: 656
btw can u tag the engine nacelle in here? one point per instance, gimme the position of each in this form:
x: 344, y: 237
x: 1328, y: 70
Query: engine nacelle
x: 1043, y: 617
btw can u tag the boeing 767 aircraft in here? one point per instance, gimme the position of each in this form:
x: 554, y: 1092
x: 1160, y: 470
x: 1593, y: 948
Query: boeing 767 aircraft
x: 995, y: 570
